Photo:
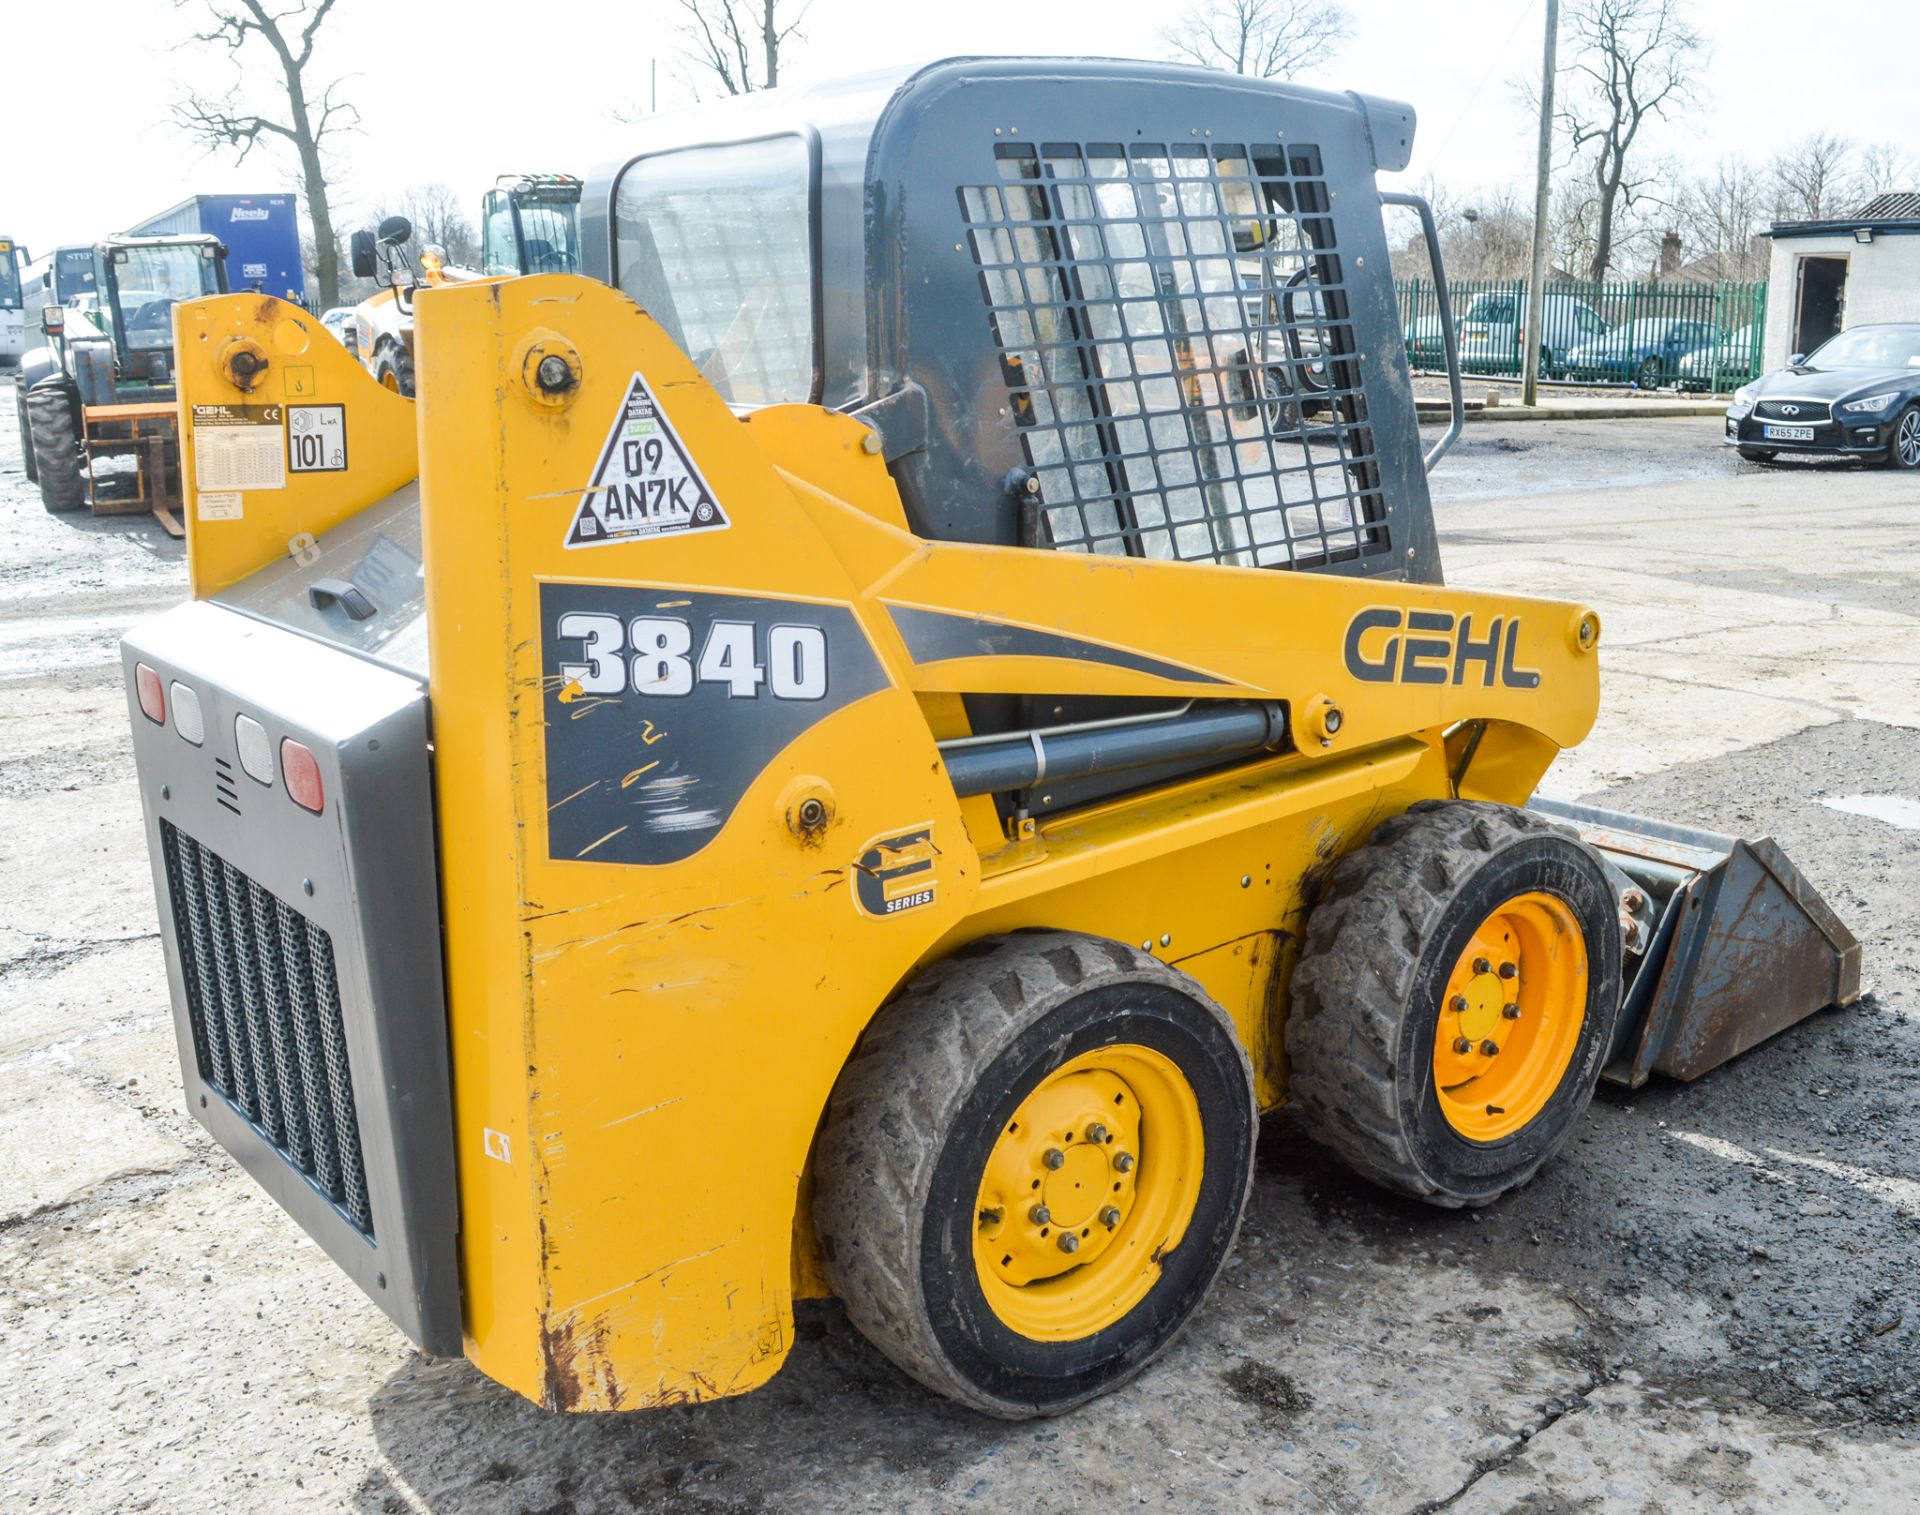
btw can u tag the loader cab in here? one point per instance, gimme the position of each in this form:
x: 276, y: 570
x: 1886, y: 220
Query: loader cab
x: 138, y: 281
x: 1109, y: 307
x: 530, y: 224
x: 72, y: 273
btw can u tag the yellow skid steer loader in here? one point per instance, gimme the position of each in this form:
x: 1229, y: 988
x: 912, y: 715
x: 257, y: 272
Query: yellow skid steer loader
x: 855, y: 750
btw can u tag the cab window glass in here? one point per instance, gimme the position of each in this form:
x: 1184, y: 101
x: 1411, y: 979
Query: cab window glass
x: 715, y: 243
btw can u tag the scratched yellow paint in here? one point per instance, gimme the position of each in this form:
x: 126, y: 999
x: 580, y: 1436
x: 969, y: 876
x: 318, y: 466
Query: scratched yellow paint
x: 658, y: 1043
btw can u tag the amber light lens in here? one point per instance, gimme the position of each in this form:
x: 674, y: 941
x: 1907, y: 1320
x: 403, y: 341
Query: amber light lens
x: 153, y: 694
x: 300, y: 772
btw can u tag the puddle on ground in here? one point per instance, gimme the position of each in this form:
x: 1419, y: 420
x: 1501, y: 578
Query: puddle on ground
x: 1894, y: 809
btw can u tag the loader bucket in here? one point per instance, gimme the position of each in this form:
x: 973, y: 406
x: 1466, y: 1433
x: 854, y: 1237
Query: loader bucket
x: 1729, y: 943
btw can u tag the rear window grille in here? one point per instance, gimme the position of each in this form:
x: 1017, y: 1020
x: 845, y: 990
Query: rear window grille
x: 263, y: 1001
x: 1178, y: 350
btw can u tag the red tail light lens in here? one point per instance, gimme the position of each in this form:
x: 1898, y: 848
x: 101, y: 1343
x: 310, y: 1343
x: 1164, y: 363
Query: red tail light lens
x: 300, y: 772
x: 153, y: 694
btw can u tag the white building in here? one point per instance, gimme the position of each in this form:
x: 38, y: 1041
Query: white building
x: 1829, y: 275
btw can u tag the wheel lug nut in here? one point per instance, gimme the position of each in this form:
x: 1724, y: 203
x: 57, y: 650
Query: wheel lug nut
x: 1069, y: 1242
x: 1462, y: 1045
x: 1490, y: 1048
x: 1481, y: 965
x: 1096, y: 1133
x: 1124, y: 1162
x: 1509, y: 970
x: 1053, y: 1157
x: 1110, y: 1217
x: 1511, y: 1012
x: 1040, y: 1215
x: 1460, y: 1004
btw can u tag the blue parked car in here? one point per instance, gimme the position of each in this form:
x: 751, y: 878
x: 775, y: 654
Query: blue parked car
x: 1648, y: 351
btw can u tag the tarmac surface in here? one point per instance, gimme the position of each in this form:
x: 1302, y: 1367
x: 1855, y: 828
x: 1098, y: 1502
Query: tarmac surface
x: 1707, y: 1302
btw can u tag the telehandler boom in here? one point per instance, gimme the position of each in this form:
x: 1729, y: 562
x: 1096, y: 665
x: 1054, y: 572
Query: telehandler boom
x: 855, y: 750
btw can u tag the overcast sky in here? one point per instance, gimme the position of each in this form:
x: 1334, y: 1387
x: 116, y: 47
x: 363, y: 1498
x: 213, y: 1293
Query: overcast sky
x: 460, y: 93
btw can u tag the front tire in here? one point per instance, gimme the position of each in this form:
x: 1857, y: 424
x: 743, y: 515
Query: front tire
x: 1903, y: 448
x: 1649, y: 374
x: 1455, y: 999
x: 1033, y: 1169
x: 53, y: 421
x: 393, y: 367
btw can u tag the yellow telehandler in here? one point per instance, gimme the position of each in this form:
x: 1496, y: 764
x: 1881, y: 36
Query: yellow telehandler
x: 856, y: 749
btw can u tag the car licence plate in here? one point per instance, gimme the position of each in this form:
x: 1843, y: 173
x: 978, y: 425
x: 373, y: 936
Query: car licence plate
x: 1788, y: 433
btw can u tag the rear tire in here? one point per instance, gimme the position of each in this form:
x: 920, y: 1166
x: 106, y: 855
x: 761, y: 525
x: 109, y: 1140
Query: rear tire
x: 1757, y: 454
x: 53, y: 423
x: 393, y: 367
x: 1649, y: 374
x: 1378, y: 1003
x: 26, y: 431
x: 923, y: 1202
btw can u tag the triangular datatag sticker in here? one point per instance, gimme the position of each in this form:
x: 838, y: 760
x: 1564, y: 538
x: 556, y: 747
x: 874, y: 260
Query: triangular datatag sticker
x: 645, y: 485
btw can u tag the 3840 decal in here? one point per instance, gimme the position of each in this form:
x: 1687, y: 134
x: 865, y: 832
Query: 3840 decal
x: 654, y: 655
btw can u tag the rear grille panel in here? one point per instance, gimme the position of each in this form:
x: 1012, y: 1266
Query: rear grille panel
x: 263, y: 1001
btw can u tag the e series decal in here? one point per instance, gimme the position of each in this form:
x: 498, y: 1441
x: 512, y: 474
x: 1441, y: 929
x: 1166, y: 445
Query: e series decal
x: 662, y: 706
x: 646, y: 483
x: 895, y: 874
x: 1435, y: 649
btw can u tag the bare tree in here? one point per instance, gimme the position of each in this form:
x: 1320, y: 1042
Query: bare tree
x: 1886, y: 167
x: 1269, y: 39
x: 1633, y: 61
x: 437, y: 217
x: 1813, y: 177
x: 730, y: 36
x: 307, y: 123
x: 1722, y: 216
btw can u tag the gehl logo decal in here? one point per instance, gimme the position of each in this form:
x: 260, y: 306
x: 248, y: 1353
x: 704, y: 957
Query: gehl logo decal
x: 1434, y: 647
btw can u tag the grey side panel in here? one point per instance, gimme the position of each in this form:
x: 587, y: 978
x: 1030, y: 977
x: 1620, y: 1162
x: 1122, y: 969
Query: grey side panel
x: 358, y: 885
x: 663, y: 706
x: 932, y: 636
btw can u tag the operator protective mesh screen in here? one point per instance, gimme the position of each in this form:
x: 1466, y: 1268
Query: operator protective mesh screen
x: 1178, y: 350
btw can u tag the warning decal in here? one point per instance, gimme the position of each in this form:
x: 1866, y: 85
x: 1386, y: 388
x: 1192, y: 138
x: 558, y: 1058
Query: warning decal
x: 645, y: 484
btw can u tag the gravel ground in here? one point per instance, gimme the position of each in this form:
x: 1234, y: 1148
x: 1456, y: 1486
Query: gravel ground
x: 1705, y: 1303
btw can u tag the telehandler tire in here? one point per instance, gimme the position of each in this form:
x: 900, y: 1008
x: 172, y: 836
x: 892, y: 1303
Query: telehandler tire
x: 393, y: 367
x: 26, y: 431
x: 1454, y: 1000
x: 1033, y: 1168
x: 52, y: 418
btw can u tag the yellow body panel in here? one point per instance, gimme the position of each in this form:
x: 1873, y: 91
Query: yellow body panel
x: 656, y: 1041
x: 284, y: 357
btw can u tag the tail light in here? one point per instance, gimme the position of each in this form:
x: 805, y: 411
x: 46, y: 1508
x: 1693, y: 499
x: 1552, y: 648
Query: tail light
x: 153, y: 697
x: 300, y: 772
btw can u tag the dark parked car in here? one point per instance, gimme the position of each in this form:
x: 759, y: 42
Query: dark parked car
x: 1858, y: 396
x: 1648, y: 352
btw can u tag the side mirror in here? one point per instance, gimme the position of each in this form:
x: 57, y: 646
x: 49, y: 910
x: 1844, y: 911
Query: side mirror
x: 1794, y: 360
x: 360, y: 254
x: 395, y: 230
x: 53, y: 320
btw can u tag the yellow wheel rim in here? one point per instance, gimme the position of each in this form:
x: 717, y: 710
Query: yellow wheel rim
x: 1091, y: 1181
x: 1511, y: 1017
x: 390, y: 381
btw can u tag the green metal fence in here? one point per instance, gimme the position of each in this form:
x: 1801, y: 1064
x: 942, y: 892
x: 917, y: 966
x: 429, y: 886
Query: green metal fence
x: 1649, y: 336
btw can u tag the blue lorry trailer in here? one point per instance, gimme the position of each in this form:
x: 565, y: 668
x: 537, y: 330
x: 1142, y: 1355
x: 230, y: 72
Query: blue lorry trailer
x: 262, y: 234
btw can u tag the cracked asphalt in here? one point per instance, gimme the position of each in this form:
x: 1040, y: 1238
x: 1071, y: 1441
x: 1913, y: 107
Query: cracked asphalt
x: 1705, y: 1303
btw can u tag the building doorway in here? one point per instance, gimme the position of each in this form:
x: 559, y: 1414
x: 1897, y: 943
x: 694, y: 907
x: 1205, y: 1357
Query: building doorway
x: 1820, y: 302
